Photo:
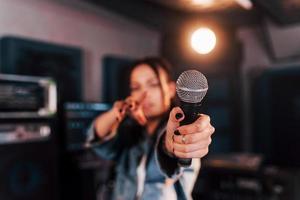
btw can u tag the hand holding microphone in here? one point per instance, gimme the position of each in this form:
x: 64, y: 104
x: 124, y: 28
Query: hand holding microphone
x: 189, y: 132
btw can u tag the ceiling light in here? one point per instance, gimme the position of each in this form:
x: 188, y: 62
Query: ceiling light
x: 247, y: 4
x: 203, y: 2
x: 203, y: 40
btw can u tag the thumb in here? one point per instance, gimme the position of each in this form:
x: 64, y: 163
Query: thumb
x: 175, y: 117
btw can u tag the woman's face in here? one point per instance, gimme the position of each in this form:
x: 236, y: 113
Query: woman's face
x: 144, y: 81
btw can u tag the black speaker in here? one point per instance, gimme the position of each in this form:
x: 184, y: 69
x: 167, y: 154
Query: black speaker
x: 28, y: 171
x: 28, y: 139
x: 85, y: 174
x: 276, y: 117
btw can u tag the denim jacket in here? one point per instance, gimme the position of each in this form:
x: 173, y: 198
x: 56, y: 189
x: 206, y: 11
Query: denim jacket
x: 127, y: 148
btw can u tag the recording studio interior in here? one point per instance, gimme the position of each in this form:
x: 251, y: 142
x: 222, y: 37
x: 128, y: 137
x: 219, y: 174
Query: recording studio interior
x: 64, y: 63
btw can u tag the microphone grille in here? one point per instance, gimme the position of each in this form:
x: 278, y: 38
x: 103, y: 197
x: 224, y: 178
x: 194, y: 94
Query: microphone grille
x: 191, y: 86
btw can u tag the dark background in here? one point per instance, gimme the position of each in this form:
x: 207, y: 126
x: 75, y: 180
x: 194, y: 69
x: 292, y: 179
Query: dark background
x: 253, y: 98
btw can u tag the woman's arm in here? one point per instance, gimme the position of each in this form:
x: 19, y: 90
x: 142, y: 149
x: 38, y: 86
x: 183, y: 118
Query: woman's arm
x: 106, y: 124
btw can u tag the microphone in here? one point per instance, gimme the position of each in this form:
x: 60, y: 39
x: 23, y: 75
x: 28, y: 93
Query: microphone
x: 191, y: 87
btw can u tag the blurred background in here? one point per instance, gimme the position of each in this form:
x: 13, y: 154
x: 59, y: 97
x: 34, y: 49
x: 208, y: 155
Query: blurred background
x: 62, y: 63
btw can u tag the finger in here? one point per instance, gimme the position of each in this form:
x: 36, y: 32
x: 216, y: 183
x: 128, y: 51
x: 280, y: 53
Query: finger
x: 124, y: 109
x: 187, y: 148
x: 121, y: 114
x: 195, y: 154
x: 176, y: 115
x: 199, y: 125
x: 134, y: 101
x: 140, y: 117
x: 174, y: 122
x: 130, y: 105
x: 135, y: 111
x: 118, y: 105
x: 129, y: 101
x: 120, y: 110
x: 195, y: 137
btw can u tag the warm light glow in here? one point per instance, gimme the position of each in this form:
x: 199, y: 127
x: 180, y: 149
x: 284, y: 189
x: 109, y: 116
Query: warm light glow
x: 247, y: 4
x: 203, y: 40
x: 203, y: 2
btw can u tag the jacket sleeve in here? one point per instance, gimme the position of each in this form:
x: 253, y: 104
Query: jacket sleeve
x: 111, y: 147
x: 106, y: 149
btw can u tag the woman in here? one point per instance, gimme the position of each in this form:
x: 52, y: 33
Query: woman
x: 138, y: 133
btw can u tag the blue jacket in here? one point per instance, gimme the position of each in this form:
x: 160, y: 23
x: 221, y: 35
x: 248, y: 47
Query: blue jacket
x: 127, y: 148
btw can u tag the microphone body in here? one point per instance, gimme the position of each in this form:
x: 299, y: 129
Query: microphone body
x: 191, y: 112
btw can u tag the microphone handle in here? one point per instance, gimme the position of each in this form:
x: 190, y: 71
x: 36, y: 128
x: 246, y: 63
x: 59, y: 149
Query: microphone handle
x: 191, y: 113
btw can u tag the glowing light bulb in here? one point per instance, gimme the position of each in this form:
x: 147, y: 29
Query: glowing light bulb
x: 203, y: 2
x: 203, y: 40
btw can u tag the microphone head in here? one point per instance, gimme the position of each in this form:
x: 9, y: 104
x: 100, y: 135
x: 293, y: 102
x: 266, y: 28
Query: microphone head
x: 191, y: 86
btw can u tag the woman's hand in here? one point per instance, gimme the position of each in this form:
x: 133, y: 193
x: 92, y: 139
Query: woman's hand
x: 135, y: 109
x: 119, y: 108
x: 132, y: 107
x: 193, y: 139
